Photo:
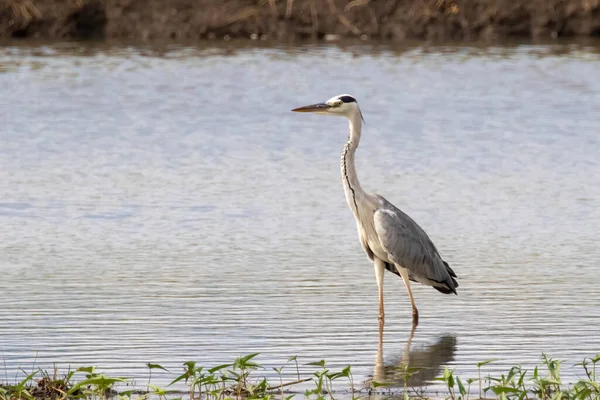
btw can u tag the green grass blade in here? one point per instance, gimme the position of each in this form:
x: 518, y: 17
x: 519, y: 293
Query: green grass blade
x: 24, y: 382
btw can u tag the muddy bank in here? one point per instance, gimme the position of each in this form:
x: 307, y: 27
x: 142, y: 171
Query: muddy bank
x: 393, y: 20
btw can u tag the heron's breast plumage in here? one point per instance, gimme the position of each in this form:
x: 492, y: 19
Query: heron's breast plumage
x: 366, y: 227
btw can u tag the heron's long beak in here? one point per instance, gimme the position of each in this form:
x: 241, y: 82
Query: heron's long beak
x: 313, y: 108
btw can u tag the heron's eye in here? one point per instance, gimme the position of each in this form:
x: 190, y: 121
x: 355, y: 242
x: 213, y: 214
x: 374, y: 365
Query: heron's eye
x: 339, y: 103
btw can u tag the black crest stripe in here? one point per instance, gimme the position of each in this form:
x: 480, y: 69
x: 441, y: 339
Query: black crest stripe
x: 347, y: 99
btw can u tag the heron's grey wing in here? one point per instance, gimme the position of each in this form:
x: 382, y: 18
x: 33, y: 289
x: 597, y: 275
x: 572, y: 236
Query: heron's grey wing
x: 408, y: 246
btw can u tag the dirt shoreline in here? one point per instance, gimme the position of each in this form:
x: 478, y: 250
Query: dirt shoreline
x: 285, y: 20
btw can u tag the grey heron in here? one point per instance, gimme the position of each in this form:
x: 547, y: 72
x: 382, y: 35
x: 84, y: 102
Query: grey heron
x: 392, y: 240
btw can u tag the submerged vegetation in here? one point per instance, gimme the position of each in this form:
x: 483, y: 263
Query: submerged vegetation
x: 242, y: 380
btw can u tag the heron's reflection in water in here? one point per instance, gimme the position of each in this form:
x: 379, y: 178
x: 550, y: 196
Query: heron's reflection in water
x: 428, y: 359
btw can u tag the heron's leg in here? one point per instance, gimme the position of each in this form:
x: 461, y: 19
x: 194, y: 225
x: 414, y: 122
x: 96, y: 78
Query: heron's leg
x: 379, y: 270
x: 415, y: 312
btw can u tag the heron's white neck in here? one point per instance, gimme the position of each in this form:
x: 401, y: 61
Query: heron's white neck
x: 352, y: 188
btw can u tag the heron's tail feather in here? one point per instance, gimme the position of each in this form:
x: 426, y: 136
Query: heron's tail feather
x: 447, y: 287
x: 450, y: 286
x: 444, y: 289
x: 450, y: 271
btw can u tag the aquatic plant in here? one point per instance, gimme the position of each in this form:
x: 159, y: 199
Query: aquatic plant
x: 543, y: 383
x: 242, y: 380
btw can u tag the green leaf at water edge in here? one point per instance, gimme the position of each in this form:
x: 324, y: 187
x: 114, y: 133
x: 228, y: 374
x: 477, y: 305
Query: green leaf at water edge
x: 68, y: 377
x: 258, y: 389
x: 448, y: 378
x: 482, y: 363
x: 103, y: 382
x: 321, y: 374
x: 125, y: 394
x: 185, y: 376
x: 218, y: 368
x: 557, y: 396
x: 321, y: 363
x: 188, y: 373
x: 504, y: 389
x: 512, y: 373
x: 546, y: 382
x: 583, y: 394
x: 379, y: 384
x: 156, y: 366
x: 461, y: 388
x: 346, y: 372
x: 522, y: 379
x: 89, y: 370
x: 278, y: 370
x: 209, y: 380
x: 334, y: 375
x: 236, y: 376
x: 249, y: 357
x: 554, y: 369
x: 160, y: 391
x: 157, y: 389
x: 244, y: 362
x: 190, y: 365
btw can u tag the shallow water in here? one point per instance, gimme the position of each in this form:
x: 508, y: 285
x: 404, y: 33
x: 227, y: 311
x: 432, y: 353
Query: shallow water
x: 164, y: 206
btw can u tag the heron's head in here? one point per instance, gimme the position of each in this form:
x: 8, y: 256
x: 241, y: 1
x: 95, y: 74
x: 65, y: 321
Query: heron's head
x: 343, y: 105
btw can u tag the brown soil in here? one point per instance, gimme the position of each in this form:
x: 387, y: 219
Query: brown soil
x: 393, y: 20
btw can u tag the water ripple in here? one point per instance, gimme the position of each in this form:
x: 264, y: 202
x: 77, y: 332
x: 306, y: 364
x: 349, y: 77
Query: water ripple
x: 168, y: 207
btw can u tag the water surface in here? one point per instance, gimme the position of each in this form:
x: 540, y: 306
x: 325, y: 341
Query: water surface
x: 165, y: 206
